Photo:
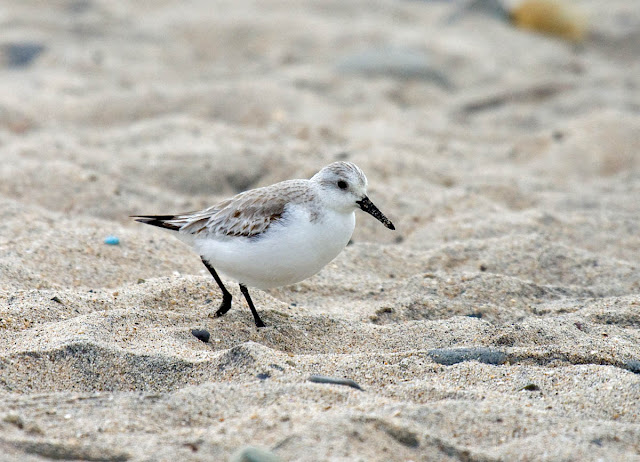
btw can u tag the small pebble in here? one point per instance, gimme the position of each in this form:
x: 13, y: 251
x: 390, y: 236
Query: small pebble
x: 475, y: 314
x: 112, y: 240
x: 22, y: 54
x: 263, y: 375
x: 490, y: 8
x: 201, y: 334
x: 399, y: 63
x: 253, y: 454
x: 633, y: 365
x: 334, y: 381
x: 450, y: 356
x: 530, y: 387
x: 550, y: 17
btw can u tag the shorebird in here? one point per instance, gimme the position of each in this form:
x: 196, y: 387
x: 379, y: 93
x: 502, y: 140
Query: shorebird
x: 276, y: 235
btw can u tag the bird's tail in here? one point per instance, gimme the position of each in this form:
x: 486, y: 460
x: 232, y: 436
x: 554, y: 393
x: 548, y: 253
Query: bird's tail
x: 161, y: 221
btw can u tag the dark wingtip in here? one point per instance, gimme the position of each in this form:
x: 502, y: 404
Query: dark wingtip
x: 156, y: 220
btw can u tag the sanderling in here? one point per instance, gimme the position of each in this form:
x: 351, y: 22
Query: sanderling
x: 276, y: 235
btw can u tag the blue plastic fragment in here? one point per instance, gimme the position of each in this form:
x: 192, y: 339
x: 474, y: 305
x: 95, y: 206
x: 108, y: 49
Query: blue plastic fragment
x: 112, y: 240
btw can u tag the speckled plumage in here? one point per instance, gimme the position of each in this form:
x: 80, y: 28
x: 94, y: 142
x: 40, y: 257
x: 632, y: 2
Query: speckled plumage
x: 249, y: 213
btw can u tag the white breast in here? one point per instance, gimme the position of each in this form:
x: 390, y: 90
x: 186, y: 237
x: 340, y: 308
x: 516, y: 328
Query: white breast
x: 291, y: 249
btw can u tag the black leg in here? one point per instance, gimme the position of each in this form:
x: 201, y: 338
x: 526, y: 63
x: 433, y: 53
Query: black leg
x: 245, y: 292
x: 226, y: 296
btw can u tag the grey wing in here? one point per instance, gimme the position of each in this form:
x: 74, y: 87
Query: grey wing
x: 247, y: 214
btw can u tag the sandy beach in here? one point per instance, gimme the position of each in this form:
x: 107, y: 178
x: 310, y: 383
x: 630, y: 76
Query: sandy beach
x: 500, y: 321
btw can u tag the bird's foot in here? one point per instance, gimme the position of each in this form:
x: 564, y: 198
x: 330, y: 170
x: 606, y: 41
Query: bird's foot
x: 224, y: 306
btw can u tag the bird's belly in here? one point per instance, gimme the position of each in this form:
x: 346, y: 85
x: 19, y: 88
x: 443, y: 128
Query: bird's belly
x: 288, y: 252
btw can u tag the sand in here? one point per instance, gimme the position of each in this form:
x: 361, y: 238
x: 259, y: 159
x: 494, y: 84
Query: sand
x: 500, y: 321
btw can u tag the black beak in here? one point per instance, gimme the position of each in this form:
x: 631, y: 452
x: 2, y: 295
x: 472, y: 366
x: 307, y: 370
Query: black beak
x: 366, y: 205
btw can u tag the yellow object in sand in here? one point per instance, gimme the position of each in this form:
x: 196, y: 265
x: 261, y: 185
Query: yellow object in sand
x: 550, y: 17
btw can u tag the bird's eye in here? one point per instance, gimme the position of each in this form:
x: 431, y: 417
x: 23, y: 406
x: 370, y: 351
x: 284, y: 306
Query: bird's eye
x: 342, y: 184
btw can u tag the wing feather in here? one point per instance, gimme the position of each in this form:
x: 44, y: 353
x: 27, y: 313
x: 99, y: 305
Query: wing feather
x: 247, y: 214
